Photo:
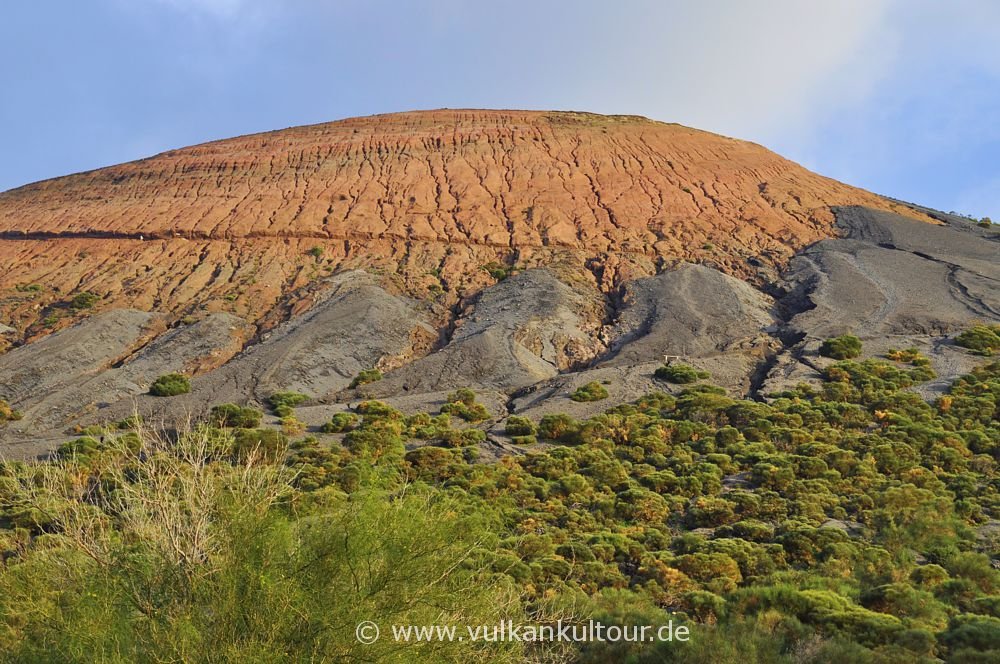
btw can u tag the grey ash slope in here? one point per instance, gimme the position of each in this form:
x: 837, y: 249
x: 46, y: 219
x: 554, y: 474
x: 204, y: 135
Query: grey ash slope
x: 525, y: 329
x: 893, y: 283
x: 708, y: 318
x: 77, y: 372
x: 356, y: 326
x: 693, y: 311
x: 527, y: 342
x: 892, y: 276
x: 77, y: 375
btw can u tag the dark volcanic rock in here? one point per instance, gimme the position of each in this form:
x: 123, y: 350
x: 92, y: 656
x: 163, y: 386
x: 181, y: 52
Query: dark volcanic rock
x: 31, y: 372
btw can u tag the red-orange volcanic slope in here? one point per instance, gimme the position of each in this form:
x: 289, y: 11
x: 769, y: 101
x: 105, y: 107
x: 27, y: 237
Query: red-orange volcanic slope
x: 426, y: 198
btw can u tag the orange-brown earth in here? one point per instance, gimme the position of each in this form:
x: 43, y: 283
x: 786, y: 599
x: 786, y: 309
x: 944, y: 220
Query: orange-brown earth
x: 248, y: 225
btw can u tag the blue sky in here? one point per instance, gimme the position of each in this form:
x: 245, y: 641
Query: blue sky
x: 898, y: 96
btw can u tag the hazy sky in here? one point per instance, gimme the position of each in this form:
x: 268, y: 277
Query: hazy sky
x: 898, y: 96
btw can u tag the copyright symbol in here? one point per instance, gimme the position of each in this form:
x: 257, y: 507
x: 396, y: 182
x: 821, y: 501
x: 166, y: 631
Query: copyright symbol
x: 367, y: 632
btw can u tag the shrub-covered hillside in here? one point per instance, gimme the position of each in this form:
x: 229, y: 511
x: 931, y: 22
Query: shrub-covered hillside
x: 852, y: 522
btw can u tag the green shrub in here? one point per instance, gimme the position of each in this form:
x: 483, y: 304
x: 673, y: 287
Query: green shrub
x: 78, y: 447
x: 170, y: 385
x: 129, y: 423
x: 462, y: 403
x: 366, y: 376
x: 908, y: 356
x: 976, y: 633
x: 844, y: 347
x: 559, y: 427
x: 286, y: 400
x: 462, y: 438
x: 432, y: 463
x: 498, y: 271
x: 592, y: 391
x: 679, y: 373
x: 84, y: 300
x: 425, y: 427
x: 704, y: 605
x: 377, y: 440
x: 266, y: 444
x: 341, y: 423
x: 8, y: 414
x: 230, y: 415
x: 982, y: 339
x: 291, y: 425
x: 462, y: 395
x: 316, y: 252
x: 520, y: 426
x: 376, y: 409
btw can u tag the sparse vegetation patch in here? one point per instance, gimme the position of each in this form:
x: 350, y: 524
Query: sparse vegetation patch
x: 234, y: 416
x: 844, y: 347
x: 170, y: 385
x: 283, y: 403
x: 85, y: 300
x: 341, y: 423
x: 592, y: 391
x: 679, y: 373
x: 981, y: 339
x: 365, y: 377
x: 462, y: 403
x: 8, y: 414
